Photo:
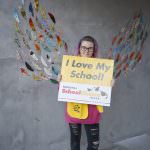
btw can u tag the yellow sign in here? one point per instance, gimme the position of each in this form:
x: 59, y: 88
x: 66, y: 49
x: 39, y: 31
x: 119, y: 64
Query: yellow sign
x: 87, y: 70
x: 86, y: 80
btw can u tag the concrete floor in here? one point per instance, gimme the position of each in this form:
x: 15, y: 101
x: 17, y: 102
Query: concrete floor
x: 141, y: 142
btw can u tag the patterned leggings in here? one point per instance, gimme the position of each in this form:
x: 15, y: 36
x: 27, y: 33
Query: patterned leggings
x: 92, y: 132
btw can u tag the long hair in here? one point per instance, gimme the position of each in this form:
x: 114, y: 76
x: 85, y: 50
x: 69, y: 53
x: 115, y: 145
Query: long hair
x: 90, y: 39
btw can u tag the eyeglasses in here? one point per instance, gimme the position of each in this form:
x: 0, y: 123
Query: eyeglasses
x: 89, y: 49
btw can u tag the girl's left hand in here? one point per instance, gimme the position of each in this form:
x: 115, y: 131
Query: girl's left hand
x: 112, y: 82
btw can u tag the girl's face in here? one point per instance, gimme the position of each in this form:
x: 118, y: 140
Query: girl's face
x: 86, y: 49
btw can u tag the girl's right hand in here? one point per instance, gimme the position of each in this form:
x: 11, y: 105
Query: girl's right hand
x: 59, y: 77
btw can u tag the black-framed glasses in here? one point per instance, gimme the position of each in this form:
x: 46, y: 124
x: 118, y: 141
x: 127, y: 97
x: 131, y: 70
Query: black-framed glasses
x: 89, y: 49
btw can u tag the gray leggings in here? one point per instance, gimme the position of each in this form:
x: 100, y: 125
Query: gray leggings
x: 92, y: 132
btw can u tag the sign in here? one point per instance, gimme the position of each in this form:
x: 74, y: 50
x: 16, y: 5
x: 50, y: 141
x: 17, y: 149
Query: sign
x: 86, y: 80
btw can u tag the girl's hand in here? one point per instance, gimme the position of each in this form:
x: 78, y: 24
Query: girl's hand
x: 112, y: 82
x: 59, y: 77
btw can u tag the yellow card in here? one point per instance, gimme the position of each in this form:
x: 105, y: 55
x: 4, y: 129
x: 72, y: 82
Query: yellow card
x: 86, y: 80
x: 87, y: 70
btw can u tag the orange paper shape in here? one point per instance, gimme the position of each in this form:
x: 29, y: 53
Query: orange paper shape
x: 59, y: 41
x: 31, y: 24
x: 37, y: 48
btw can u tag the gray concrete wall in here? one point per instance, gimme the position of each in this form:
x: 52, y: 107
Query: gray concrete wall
x: 31, y: 118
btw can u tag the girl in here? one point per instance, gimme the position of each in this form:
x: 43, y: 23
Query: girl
x: 84, y: 114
